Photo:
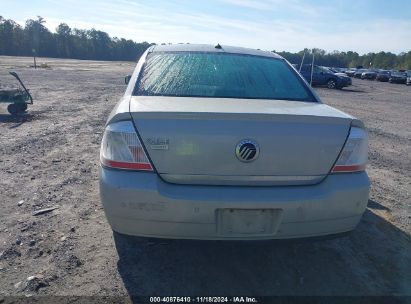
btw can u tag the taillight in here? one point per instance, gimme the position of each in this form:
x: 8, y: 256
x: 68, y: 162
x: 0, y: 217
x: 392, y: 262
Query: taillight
x: 353, y: 157
x: 121, y: 148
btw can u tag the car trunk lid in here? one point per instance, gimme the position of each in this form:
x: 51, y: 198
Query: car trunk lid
x: 193, y: 140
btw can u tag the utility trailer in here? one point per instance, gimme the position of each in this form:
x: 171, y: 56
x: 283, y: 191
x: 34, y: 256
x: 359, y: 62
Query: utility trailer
x: 18, y: 98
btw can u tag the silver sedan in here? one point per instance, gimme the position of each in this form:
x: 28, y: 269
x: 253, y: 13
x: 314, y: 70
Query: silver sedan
x: 219, y: 142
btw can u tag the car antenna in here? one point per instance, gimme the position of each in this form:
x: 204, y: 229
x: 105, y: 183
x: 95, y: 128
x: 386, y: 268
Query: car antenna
x: 312, y: 70
x: 302, y: 62
x: 218, y: 46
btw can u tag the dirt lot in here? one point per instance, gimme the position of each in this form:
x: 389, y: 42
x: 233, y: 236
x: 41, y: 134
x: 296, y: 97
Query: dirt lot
x: 49, y: 157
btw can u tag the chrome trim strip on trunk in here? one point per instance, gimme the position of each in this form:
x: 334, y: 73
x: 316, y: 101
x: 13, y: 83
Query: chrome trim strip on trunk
x: 249, y: 180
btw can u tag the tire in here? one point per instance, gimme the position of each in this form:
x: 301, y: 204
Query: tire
x: 13, y: 109
x: 331, y: 84
x: 16, y: 108
x: 22, y: 107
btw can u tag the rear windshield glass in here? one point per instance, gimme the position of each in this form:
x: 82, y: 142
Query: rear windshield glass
x: 220, y: 75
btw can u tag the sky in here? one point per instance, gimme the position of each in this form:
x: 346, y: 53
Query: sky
x: 282, y: 25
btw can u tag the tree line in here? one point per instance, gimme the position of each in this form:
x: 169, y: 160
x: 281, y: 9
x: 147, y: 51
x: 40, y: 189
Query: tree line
x: 35, y: 39
x: 383, y: 60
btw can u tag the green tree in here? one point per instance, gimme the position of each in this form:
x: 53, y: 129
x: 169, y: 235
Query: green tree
x: 66, y: 42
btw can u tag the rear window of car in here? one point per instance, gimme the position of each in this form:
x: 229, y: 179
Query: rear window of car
x: 220, y: 75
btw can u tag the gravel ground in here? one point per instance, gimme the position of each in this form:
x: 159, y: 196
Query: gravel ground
x: 49, y: 158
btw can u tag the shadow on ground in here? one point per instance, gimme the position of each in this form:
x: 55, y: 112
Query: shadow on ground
x: 353, y: 90
x: 19, y: 119
x: 375, y: 259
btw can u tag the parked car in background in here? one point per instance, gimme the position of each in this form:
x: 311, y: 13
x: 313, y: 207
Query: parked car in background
x: 370, y: 75
x: 383, y: 76
x: 408, y: 82
x: 229, y: 143
x: 358, y: 73
x: 350, y: 72
x: 322, y: 77
x: 398, y: 77
x: 343, y: 75
x: 338, y: 70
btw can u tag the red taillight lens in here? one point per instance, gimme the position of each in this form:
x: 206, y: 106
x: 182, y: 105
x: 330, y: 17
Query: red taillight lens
x: 121, y: 148
x: 353, y: 157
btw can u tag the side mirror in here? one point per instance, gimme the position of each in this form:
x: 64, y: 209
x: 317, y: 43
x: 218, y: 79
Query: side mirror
x: 127, y: 79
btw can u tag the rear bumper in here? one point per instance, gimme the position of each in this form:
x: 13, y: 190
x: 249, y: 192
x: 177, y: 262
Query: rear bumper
x: 341, y: 83
x: 140, y: 203
x: 346, y: 81
x: 398, y: 80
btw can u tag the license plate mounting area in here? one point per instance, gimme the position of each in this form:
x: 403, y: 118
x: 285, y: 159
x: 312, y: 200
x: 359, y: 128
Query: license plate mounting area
x: 248, y: 222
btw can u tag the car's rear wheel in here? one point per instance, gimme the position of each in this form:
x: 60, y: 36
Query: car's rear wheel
x: 331, y: 84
